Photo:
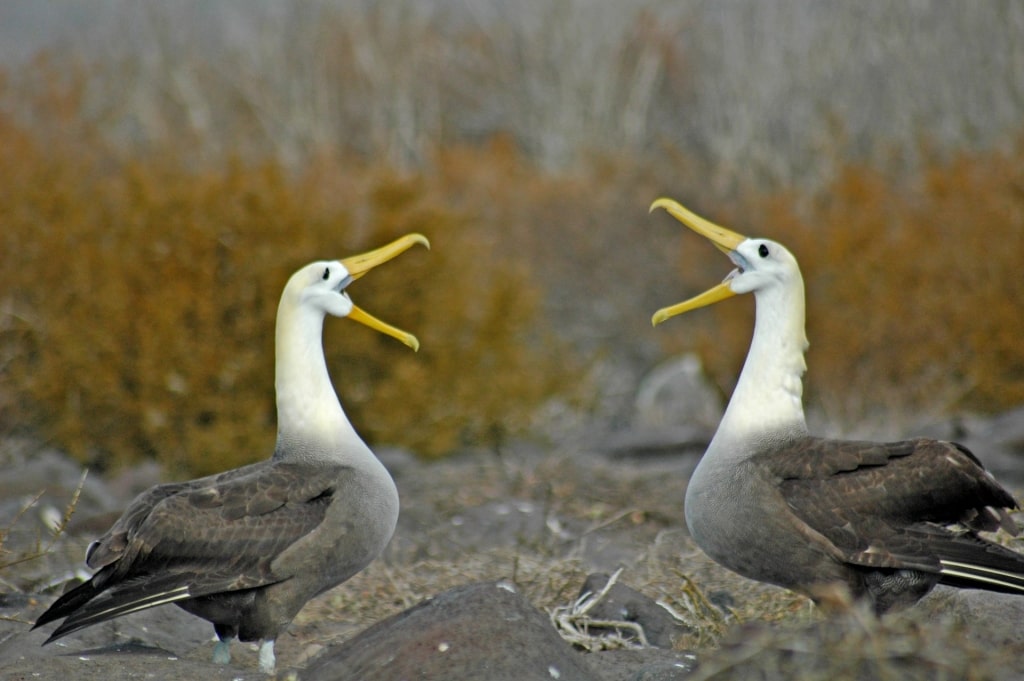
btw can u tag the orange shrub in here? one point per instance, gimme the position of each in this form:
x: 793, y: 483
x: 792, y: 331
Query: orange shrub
x: 920, y: 292
x: 137, y: 295
x: 140, y: 299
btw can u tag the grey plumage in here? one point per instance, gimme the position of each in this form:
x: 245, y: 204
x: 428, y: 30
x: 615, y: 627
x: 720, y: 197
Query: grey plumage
x: 247, y: 548
x: 884, y: 522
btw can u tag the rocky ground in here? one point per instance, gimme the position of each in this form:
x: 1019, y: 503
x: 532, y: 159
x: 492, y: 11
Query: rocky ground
x: 484, y: 576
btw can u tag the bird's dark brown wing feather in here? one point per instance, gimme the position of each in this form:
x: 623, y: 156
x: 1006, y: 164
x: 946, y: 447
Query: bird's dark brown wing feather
x: 192, y: 539
x: 112, y: 545
x: 873, y: 500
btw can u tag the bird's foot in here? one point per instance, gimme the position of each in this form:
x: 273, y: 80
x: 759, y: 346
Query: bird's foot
x: 267, y: 659
x: 222, y: 652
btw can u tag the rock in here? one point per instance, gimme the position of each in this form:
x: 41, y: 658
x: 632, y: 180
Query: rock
x: 399, y: 461
x: 989, y: 618
x: 675, y: 412
x: 622, y: 603
x: 646, y: 664
x: 677, y: 393
x: 651, y: 441
x: 999, y: 443
x: 1007, y: 430
x: 483, y: 630
x: 724, y: 601
x: 503, y: 523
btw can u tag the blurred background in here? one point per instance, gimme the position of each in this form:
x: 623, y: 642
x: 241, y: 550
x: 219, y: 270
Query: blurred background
x: 165, y: 166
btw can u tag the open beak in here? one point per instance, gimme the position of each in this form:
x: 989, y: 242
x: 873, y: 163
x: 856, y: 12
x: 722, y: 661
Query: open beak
x: 724, y: 239
x: 358, y: 265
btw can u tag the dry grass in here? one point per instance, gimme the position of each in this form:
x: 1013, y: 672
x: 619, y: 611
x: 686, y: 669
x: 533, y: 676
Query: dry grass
x: 766, y: 633
x: 57, y: 524
x: 641, y: 511
x: 738, y: 628
x: 11, y: 561
x: 576, y: 625
x: 854, y: 645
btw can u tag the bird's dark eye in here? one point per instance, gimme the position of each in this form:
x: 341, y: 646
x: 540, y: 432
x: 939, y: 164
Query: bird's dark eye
x: 327, y: 273
x: 762, y: 251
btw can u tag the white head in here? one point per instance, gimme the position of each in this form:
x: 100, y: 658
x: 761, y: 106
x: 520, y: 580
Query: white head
x: 319, y: 287
x: 768, y: 394
x: 762, y: 264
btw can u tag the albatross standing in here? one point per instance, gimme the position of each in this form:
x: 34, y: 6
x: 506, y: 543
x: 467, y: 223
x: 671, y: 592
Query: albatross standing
x: 247, y: 548
x: 775, y: 504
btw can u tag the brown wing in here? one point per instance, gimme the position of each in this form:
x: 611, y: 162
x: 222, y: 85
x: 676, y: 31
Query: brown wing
x: 232, y: 527
x: 885, y: 504
x: 193, y: 539
x: 112, y: 545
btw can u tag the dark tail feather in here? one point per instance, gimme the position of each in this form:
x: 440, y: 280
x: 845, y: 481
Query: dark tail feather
x: 68, y: 602
x: 122, y: 599
x: 971, y: 562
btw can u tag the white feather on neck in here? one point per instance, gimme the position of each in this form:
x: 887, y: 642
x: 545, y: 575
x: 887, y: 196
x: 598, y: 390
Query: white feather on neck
x: 310, y: 420
x: 769, y: 394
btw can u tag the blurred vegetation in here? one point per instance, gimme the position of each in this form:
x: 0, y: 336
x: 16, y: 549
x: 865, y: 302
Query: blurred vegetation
x: 154, y: 200
x: 139, y: 298
x: 759, y: 91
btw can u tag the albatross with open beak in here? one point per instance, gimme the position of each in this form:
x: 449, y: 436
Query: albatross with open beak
x: 884, y: 522
x: 247, y: 548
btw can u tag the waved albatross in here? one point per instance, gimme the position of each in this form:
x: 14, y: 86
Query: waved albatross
x: 247, y: 548
x: 882, y: 522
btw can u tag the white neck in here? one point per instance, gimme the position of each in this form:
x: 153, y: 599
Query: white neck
x: 769, y: 394
x: 310, y: 421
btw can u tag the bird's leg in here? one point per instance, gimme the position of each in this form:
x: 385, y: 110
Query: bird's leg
x: 222, y: 651
x: 267, y: 659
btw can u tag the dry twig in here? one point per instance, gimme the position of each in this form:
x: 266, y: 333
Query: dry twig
x: 574, y: 623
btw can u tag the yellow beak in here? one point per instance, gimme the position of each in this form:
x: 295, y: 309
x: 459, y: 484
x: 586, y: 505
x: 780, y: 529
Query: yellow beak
x: 724, y: 239
x: 358, y: 265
